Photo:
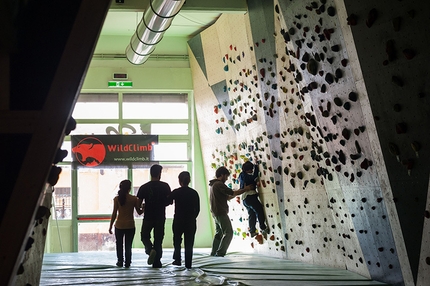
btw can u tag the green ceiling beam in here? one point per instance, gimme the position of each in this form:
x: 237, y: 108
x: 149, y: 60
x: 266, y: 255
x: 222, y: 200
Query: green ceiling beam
x: 222, y: 6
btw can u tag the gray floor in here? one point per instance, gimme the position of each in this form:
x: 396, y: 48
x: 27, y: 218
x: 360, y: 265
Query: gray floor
x: 98, y: 268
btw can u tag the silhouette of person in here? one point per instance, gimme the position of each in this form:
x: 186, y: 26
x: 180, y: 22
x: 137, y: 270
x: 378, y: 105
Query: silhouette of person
x: 154, y: 194
x: 187, y: 208
x: 124, y: 205
x: 219, y: 195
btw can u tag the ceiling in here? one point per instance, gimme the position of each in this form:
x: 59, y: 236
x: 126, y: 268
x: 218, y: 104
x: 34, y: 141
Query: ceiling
x: 195, y: 16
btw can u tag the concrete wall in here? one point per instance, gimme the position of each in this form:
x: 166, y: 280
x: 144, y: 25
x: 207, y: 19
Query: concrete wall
x: 318, y: 96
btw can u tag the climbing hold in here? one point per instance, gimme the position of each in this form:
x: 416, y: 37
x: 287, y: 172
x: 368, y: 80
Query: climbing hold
x: 353, y: 96
x: 312, y: 66
x: 331, y: 11
x: 335, y: 48
x: 329, y: 78
x: 401, y: 128
x: 346, y: 133
x: 352, y: 20
x: 416, y: 147
x: 409, y: 53
x: 291, y: 31
x: 371, y: 17
x: 394, y: 150
x: 396, y: 23
x: 347, y: 105
x: 344, y: 62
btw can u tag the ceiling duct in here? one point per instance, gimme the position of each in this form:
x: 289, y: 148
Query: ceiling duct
x: 155, y: 21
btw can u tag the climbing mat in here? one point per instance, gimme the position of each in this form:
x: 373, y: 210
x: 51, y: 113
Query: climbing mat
x: 236, y: 268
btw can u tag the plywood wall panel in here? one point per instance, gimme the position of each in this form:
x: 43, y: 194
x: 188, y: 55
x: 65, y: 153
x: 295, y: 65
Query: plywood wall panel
x: 212, y: 55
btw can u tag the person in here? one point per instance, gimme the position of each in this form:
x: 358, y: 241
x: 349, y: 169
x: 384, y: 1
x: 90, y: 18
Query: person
x: 154, y: 194
x: 124, y: 205
x: 187, y: 208
x: 219, y: 195
x: 249, y: 176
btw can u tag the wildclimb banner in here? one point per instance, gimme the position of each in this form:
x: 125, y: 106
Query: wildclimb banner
x: 96, y: 150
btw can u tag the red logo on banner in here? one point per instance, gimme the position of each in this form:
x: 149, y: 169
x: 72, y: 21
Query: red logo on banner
x: 90, y: 152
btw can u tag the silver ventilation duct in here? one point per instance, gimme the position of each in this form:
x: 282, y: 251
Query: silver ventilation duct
x: 155, y: 21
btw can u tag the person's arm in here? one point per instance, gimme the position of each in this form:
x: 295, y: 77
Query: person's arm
x: 168, y: 193
x: 113, y: 216
x: 139, y: 207
x: 241, y: 191
x: 197, y: 205
x: 171, y: 197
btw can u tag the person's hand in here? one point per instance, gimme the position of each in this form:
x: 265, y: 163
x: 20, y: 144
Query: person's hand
x: 110, y: 230
x: 250, y: 187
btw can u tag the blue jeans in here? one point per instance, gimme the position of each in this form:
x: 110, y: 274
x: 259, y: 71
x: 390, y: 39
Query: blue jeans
x: 188, y: 229
x: 223, y: 235
x: 120, y: 234
x: 145, y: 235
x: 255, y: 210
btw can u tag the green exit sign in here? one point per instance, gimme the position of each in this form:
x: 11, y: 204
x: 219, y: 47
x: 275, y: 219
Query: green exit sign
x: 120, y: 84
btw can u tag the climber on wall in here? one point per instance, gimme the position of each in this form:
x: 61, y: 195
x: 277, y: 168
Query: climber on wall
x: 249, y: 176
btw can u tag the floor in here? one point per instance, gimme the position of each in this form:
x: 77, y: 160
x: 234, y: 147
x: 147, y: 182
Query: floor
x: 236, y: 268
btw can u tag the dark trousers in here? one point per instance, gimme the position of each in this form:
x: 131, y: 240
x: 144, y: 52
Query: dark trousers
x: 120, y: 234
x: 223, y: 235
x: 188, y: 229
x: 145, y: 235
x: 255, y: 210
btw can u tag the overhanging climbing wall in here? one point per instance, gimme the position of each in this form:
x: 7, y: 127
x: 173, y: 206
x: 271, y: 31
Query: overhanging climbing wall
x: 317, y: 92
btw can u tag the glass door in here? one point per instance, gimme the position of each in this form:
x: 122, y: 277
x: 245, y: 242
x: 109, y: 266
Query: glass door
x: 96, y: 190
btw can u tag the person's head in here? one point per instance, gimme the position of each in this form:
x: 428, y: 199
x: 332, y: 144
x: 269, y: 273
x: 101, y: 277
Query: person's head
x: 155, y: 171
x: 125, y: 185
x: 124, y: 189
x: 222, y: 173
x: 247, y: 167
x: 184, y: 178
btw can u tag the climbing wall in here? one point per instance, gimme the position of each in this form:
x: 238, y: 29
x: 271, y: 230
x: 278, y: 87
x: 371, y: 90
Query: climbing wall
x: 330, y: 104
x: 226, y: 82
x: 392, y: 50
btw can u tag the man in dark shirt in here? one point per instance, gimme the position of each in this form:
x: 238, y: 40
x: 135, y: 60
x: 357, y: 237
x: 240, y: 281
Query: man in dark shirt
x: 219, y: 195
x: 187, y: 208
x: 154, y: 195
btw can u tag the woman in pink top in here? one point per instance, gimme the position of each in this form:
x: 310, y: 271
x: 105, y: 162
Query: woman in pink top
x: 124, y: 205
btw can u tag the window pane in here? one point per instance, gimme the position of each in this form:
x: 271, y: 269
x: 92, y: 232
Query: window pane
x: 169, y: 129
x: 97, y: 188
x: 62, y: 196
x: 67, y: 145
x: 169, y: 175
x: 96, y: 106
x: 93, y: 236
x: 155, y: 106
x: 155, y: 110
x: 170, y: 151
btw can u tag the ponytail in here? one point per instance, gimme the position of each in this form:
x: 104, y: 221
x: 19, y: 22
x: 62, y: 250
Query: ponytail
x: 124, y: 189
